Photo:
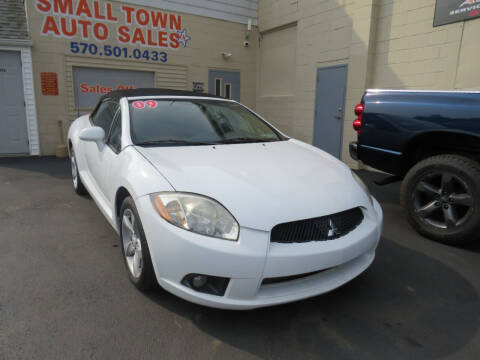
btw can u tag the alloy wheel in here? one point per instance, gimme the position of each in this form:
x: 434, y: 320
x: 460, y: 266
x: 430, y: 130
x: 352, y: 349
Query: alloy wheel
x: 73, y: 163
x: 131, y: 244
x: 443, y: 200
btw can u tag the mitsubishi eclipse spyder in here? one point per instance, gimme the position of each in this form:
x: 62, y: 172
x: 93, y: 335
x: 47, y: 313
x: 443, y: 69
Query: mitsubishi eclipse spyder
x: 217, y: 206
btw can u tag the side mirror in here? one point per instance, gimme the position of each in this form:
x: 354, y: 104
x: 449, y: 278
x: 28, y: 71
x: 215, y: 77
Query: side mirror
x: 94, y: 133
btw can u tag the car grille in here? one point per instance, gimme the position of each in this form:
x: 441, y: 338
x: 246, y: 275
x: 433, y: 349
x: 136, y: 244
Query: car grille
x: 318, y: 229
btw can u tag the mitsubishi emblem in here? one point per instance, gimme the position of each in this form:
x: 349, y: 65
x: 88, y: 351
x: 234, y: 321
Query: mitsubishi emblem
x: 332, y: 229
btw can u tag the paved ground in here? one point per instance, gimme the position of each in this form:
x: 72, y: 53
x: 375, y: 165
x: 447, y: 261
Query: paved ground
x: 64, y: 293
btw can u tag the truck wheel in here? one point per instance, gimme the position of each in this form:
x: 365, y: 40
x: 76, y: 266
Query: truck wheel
x: 441, y: 196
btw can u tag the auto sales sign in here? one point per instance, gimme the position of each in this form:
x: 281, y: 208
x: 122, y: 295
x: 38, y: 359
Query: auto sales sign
x: 450, y: 11
x: 112, y: 22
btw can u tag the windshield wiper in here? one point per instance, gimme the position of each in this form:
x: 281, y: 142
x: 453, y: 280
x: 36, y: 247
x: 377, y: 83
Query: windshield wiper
x: 173, y: 142
x: 240, y: 140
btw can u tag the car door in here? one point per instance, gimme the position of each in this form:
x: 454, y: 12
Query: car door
x: 98, y: 155
x: 111, y: 157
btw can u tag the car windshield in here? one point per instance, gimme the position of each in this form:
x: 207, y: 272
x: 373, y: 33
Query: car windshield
x: 174, y: 122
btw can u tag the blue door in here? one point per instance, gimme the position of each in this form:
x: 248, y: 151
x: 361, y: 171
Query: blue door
x: 224, y: 83
x: 329, y: 109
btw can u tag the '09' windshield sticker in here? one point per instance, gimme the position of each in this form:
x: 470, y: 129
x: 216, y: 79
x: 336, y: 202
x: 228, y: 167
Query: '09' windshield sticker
x: 149, y: 104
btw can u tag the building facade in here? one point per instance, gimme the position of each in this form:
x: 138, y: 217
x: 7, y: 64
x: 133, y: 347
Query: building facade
x: 338, y: 48
x: 85, y: 48
x: 302, y: 64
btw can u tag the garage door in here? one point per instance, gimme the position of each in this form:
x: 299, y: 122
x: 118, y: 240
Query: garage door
x: 13, y: 121
x: 91, y: 83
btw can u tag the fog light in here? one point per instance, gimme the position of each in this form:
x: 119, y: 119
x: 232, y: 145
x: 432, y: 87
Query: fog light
x: 198, y: 281
x: 214, y: 285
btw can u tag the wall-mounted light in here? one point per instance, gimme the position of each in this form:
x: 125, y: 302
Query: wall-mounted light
x: 226, y: 55
x: 246, y: 42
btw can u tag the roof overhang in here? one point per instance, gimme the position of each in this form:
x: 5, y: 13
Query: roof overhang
x: 16, y: 42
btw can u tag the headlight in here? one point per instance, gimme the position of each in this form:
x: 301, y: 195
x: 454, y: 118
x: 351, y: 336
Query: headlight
x: 196, y: 213
x: 364, y: 187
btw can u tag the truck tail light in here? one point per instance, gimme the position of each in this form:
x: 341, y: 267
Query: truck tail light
x: 357, y: 123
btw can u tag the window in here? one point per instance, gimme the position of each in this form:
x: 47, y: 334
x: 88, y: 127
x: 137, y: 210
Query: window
x: 115, y: 137
x: 228, y: 91
x: 104, y: 115
x: 197, y: 122
x: 218, y: 87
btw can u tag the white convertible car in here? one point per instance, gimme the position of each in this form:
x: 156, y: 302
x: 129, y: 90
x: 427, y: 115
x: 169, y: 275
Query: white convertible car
x: 218, y: 206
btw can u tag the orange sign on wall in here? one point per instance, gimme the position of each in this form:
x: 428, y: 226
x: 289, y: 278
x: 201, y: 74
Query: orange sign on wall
x: 49, y: 83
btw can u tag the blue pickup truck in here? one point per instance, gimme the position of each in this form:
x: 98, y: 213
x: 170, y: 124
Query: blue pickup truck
x: 431, y: 140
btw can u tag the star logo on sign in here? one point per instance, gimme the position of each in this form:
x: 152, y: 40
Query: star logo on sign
x: 183, y: 37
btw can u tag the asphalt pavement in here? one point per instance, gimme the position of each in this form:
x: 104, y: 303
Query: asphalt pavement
x: 65, y: 294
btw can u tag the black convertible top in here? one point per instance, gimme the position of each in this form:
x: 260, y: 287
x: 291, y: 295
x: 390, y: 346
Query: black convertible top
x: 118, y: 94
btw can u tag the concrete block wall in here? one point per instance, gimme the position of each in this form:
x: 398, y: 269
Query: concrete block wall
x: 275, y: 13
x: 386, y: 44
x: 468, y: 76
x: 409, y: 52
x: 323, y: 38
x: 359, y: 67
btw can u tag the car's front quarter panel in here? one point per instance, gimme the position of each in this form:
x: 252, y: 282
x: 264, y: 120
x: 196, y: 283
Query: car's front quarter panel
x: 180, y: 252
x: 134, y: 173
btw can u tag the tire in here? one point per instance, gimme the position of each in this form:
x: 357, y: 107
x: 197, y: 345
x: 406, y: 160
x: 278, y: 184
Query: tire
x: 441, y: 196
x: 134, y: 244
x: 77, y: 182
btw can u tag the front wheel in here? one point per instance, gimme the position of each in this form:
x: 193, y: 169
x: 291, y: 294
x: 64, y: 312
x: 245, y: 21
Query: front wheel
x: 77, y: 182
x: 441, y: 196
x: 135, y: 248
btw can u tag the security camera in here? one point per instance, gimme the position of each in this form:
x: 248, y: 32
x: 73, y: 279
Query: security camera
x: 246, y: 43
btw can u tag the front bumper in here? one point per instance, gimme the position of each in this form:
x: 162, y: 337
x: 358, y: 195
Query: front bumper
x: 248, y: 261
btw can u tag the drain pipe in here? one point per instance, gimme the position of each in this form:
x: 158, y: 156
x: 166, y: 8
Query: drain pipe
x: 61, y: 150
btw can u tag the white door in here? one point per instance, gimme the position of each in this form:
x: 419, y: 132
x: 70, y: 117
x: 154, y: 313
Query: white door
x: 99, y: 156
x: 13, y: 120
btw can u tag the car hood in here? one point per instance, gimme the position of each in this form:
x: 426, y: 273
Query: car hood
x: 261, y: 184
